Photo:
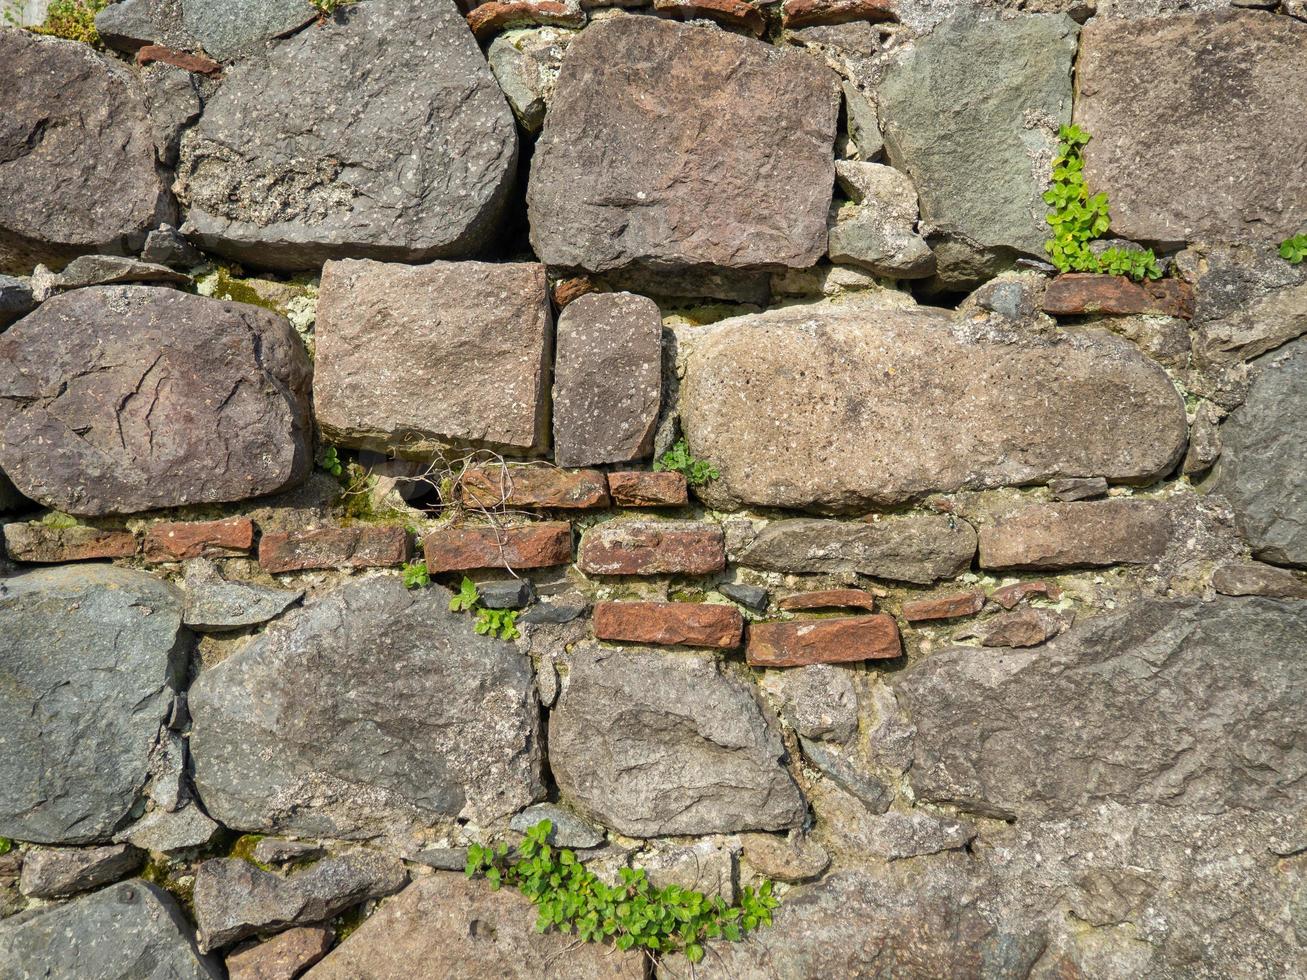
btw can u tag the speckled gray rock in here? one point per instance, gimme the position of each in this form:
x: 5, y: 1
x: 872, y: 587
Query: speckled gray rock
x: 569, y: 830
x: 450, y: 719
x: 387, y: 332
x: 170, y: 831
x: 286, y: 176
x: 89, y: 656
x: 112, y: 270
x: 877, y: 229
x: 1247, y: 301
x: 213, y: 604
x: 234, y: 899
x: 526, y: 64
x: 818, y: 701
x: 1254, y: 578
x: 77, y: 160
x: 132, y: 931
x: 709, y: 760
x: 228, y: 28
x: 1263, y: 469
x: 607, y: 379
x: 847, y: 771
x: 971, y: 113
x: 181, y: 400
x: 641, y: 166
x: 166, y: 246
x: 16, y: 300
x: 60, y: 872
x: 836, y: 408
x: 919, y: 548
x: 1214, y: 90
x: 128, y: 25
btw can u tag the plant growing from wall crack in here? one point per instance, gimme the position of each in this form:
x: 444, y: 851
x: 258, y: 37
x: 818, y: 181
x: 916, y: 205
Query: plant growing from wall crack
x: 1294, y: 250
x: 73, y: 20
x: 697, y: 472
x: 489, y: 622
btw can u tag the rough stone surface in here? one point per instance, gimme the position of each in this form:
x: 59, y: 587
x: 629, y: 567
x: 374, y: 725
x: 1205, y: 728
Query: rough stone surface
x: 228, y: 28
x: 706, y: 866
x: 823, y: 641
x: 234, y: 899
x: 283, y: 957
x: 115, y: 270
x: 181, y: 400
x: 278, y: 850
x: 753, y: 597
x: 807, y: 13
x: 890, y: 404
x: 487, y: 19
x: 1254, y: 578
x: 640, y: 164
x: 131, y: 931
x: 182, y: 540
x: 1079, y: 293
x: 77, y: 163
x: 1010, y: 596
x: 497, y: 487
x: 526, y: 64
x: 385, y: 331
x: 917, y: 548
x: 457, y: 549
x: 607, y: 379
x: 695, y: 624
x: 58, y: 873
x: 286, y: 176
x: 334, y: 547
x: 166, y: 246
x: 169, y: 832
x: 709, y: 760
x: 41, y: 544
x: 511, y: 594
x: 1212, y: 91
x: 568, y: 829
x: 971, y: 113
x: 1249, y: 301
x: 818, y: 701
x: 1263, y: 470
x: 877, y: 230
x: 849, y: 774
x: 645, y: 489
x: 1078, y: 488
x: 441, y: 924
x: 277, y: 747
x: 739, y: 14
x: 791, y: 859
x: 1024, y: 628
x: 16, y: 300
x: 130, y: 24
x: 652, y: 548
x: 214, y: 604
x: 88, y: 659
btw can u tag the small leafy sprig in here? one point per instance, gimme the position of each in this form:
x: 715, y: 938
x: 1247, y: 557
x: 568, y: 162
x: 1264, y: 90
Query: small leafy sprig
x: 330, y: 462
x: 632, y: 914
x: 73, y: 20
x: 697, y: 472
x: 466, y: 598
x: 489, y: 622
x: 1294, y: 250
x: 415, y: 575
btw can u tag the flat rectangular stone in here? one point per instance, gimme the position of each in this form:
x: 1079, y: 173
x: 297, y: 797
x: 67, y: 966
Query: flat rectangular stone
x: 39, y: 544
x: 334, y: 547
x: 183, y: 540
x: 823, y: 641
x: 1089, y: 532
x: 740, y: 14
x: 642, y: 488
x: 829, y: 599
x: 1078, y: 488
x: 944, y: 607
x: 1009, y: 596
x: 1082, y: 292
x: 695, y: 624
x: 458, y: 549
x: 809, y: 13
x: 534, y: 487
x: 652, y: 548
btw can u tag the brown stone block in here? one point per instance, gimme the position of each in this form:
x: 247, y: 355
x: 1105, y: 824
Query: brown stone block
x: 180, y: 540
x: 334, y: 547
x: 809, y: 13
x: 641, y: 488
x: 823, y: 641
x: 652, y: 548
x: 457, y: 549
x: 829, y: 599
x: 1093, y: 533
x: 534, y: 486
x: 944, y: 607
x: 1084, y: 292
x: 39, y: 544
x: 696, y: 624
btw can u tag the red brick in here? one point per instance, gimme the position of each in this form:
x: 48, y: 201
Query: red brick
x: 829, y: 599
x: 1085, y: 292
x: 652, y: 548
x: 808, y: 13
x: 1010, y: 595
x: 458, y: 549
x: 180, y: 540
x: 489, y: 18
x: 944, y: 607
x: 534, y: 487
x: 334, y: 547
x: 641, y: 488
x: 734, y: 13
x: 694, y: 624
x: 43, y: 545
x: 823, y: 641
x: 195, y: 63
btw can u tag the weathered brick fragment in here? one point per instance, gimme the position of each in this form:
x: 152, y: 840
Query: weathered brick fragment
x: 733, y: 13
x: 456, y: 549
x: 641, y: 488
x: 534, y: 486
x: 823, y: 641
x: 488, y: 19
x: 182, y: 540
x: 652, y: 548
x: 1009, y: 596
x: 829, y: 599
x: 44, y: 545
x: 810, y: 13
x: 334, y: 547
x: 695, y: 624
x: 1081, y: 292
x: 944, y: 607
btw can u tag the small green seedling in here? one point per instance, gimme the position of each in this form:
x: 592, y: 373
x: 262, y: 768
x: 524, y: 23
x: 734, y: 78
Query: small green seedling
x: 329, y: 461
x: 6, y: 845
x: 415, y: 575
x: 697, y: 472
x: 466, y: 598
x: 1294, y: 250
x: 497, y: 622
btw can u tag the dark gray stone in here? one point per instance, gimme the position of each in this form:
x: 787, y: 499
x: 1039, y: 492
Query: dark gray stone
x: 131, y: 931
x: 89, y: 656
x: 526, y: 64
x: 229, y: 28
x: 370, y: 711
x: 129, y: 25
x: 181, y: 400
x: 555, y: 613
x: 214, y: 604
x: 112, y: 270
x: 569, y: 830
x: 870, y: 791
x: 61, y: 872
x: 174, y: 100
x: 275, y: 850
x: 1247, y: 300
x: 166, y: 246
x: 164, y: 831
x: 753, y: 597
x: 514, y: 594
x: 286, y: 176
x: 16, y: 300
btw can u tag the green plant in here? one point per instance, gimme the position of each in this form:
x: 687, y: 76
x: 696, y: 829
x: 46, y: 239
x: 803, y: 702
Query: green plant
x: 1079, y: 218
x: 466, y: 598
x: 632, y: 914
x: 678, y: 460
x: 1294, y: 249
x: 329, y: 461
x: 415, y: 575
x: 73, y: 20
x: 6, y: 845
x: 497, y: 622
x: 330, y: 6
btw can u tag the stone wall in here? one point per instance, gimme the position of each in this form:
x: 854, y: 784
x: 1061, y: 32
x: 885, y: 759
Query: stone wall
x: 979, y: 624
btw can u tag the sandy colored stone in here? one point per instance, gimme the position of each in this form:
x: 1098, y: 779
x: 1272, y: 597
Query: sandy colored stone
x: 1091, y: 532
x: 283, y: 957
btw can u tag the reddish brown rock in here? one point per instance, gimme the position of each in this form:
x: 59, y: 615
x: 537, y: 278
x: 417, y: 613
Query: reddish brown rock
x: 1083, y: 292
x: 283, y: 957
x: 733, y: 13
x: 566, y: 290
x: 490, y: 18
x: 1010, y: 595
x: 823, y: 641
x: 334, y: 547
x: 944, y: 607
x: 652, y: 548
x: 457, y: 549
x: 1026, y: 627
x: 1090, y: 532
x: 808, y: 13
x: 44, y: 545
x: 640, y: 488
x: 829, y: 599
x: 182, y: 540
x: 534, y: 486
x: 694, y: 624
x: 196, y: 63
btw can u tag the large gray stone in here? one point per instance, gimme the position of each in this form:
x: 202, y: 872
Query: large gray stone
x: 16, y: 300
x: 372, y: 710
x: 228, y: 28
x: 707, y: 758
x: 128, y: 25
x: 1263, y: 466
x: 213, y: 604
x: 132, y: 931
x: 642, y: 165
x: 1188, y: 117
x: 364, y: 155
x: 60, y: 872
x: 89, y: 657
x: 607, y: 379
x: 838, y: 407
x: 179, y: 400
x: 971, y: 112
x: 412, y: 358
x: 526, y: 64
x: 1247, y: 301
x: 77, y: 159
